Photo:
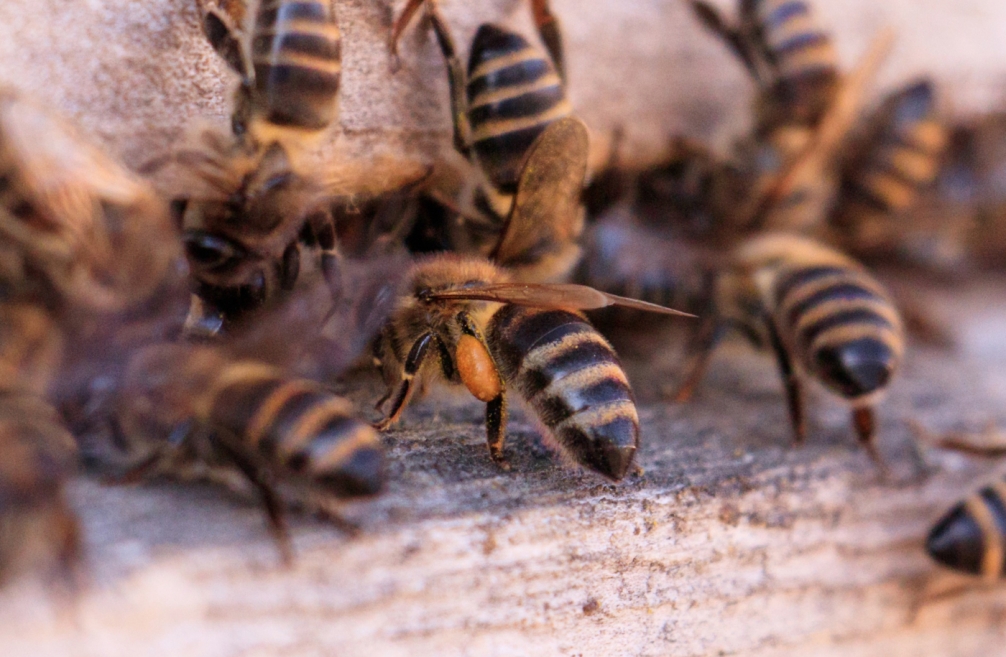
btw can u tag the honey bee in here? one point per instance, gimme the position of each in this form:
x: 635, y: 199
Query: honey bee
x: 822, y: 314
x: 191, y: 407
x: 489, y: 333
x: 256, y: 219
x: 510, y: 94
x: 785, y: 174
x: 792, y: 59
x: 970, y: 536
x: 87, y: 249
x: 898, y: 156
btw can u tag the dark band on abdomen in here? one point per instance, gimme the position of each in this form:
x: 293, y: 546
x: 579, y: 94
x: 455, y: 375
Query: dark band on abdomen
x: 572, y: 378
x: 296, y: 51
x: 513, y: 92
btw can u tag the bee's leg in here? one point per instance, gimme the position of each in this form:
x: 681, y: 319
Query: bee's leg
x: 480, y: 375
x: 456, y: 77
x: 551, y: 34
x: 711, y: 18
x: 398, y: 27
x: 794, y: 391
x: 864, y: 422
x: 331, y: 259
x: 417, y: 354
x: 261, y: 479
x: 496, y: 418
x: 701, y: 345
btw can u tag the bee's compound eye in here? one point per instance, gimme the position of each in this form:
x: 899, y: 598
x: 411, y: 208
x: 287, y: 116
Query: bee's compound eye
x: 210, y: 250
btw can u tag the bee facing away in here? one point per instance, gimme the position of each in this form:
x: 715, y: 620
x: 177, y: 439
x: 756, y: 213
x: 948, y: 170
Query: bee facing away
x: 493, y: 335
x: 970, y: 536
x: 898, y: 156
x: 791, y: 59
x: 201, y: 407
x: 786, y: 172
x: 510, y: 94
x: 822, y: 314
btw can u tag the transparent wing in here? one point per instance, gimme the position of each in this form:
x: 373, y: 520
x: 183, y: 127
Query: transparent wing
x: 570, y: 296
x: 546, y: 214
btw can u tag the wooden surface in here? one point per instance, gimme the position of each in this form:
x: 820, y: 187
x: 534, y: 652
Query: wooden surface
x: 732, y: 543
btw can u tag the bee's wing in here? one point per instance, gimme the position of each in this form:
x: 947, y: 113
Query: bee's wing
x: 455, y: 182
x: 223, y: 25
x: 380, y: 174
x: 63, y: 175
x: 831, y: 132
x: 546, y: 214
x: 322, y: 328
x: 565, y: 295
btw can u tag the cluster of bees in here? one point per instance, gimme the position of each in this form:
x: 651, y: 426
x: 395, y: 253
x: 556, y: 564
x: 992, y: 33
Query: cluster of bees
x: 199, y: 334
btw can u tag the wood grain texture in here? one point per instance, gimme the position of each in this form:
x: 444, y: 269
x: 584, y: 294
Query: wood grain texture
x: 732, y: 543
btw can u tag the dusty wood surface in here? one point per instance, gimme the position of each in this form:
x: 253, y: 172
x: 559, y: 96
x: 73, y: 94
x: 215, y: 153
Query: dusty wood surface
x: 732, y: 542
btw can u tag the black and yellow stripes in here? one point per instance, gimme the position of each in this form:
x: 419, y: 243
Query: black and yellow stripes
x: 298, y: 425
x: 840, y: 325
x: 296, y: 53
x: 802, y: 57
x: 971, y: 537
x: 573, y: 380
x: 902, y: 153
x: 513, y: 93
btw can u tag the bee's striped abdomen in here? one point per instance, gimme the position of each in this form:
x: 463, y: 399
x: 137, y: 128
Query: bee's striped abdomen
x: 296, y: 52
x: 972, y: 535
x: 841, y: 327
x: 514, y: 92
x: 803, y: 55
x: 305, y: 429
x: 573, y: 380
x: 904, y: 152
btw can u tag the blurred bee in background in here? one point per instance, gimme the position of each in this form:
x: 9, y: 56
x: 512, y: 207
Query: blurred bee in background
x: 784, y: 174
x: 971, y: 536
x: 255, y: 219
x: 889, y: 165
x: 188, y: 409
x: 510, y: 94
x: 489, y: 333
x: 961, y: 216
x: 91, y: 266
x: 821, y: 313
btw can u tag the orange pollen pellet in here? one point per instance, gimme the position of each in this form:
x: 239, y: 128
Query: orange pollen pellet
x: 477, y: 369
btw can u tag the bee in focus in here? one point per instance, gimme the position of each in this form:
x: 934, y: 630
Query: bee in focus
x: 187, y: 408
x: 510, y: 94
x: 821, y: 313
x: 461, y: 319
x: 89, y: 263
